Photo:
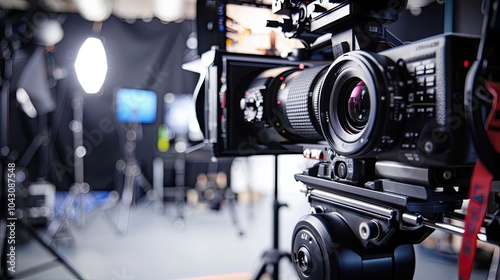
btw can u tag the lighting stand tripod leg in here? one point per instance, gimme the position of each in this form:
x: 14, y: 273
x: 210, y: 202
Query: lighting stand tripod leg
x: 271, y: 259
x: 126, y: 200
x: 180, y: 189
x: 51, y: 250
x: 3, y: 232
x: 57, y: 223
x: 231, y: 197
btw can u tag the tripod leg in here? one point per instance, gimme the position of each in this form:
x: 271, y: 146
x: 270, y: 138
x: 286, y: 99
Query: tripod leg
x: 180, y: 190
x: 271, y: 259
x: 67, y: 205
x: 49, y: 248
x: 274, y: 255
x: 261, y: 271
x: 126, y: 202
x: 232, y: 210
x: 180, y: 194
x: 151, y: 194
x: 158, y: 177
x: 3, y: 232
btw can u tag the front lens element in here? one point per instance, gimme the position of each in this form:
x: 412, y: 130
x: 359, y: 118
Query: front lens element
x: 358, y: 107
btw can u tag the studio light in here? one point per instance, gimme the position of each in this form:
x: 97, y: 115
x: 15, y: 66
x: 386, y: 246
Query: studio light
x: 48, y: 32
x: 95, y: 10
x: 25, y: 102
x: 33, y: 92
x: 172, y: 10
x: 91, y: 65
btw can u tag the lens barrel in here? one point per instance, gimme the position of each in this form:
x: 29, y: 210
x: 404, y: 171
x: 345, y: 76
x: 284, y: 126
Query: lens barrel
x: 297, y: 101
x: 286, y: 100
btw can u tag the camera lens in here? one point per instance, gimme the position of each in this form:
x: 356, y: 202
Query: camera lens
x: 286, y: 99
x: 358, y: 107
x: 359, y: 103
x: 297, y: 103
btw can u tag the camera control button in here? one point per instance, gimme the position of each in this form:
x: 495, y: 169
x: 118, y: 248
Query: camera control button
x: 421, y: 81
x: 369, y: 230
x: 410, y: 111
x: 430, y: 81
x: 429, y: 111
x: 430, y: 68
x: 429, y: 147
x: 411, y: 97
x: 420, y: 70
x: 341, y: 170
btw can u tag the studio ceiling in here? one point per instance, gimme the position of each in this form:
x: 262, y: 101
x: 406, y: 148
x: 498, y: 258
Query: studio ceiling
x: 125, y: 9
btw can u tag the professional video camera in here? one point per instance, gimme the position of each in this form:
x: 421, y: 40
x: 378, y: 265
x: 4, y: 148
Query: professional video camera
x: 393, y: 128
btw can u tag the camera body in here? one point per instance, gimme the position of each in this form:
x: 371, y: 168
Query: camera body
x: 412, y: 110
x: 385, y: 124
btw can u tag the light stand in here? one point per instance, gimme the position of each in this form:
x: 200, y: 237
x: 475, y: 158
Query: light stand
x: 133, y: 176
x: 80, y: 188
x: 5, y: 159
x: 272, y: 257
x: 133, y: 107
x: 179, y: 112
x: 180, y: 180
x: 90, y: 69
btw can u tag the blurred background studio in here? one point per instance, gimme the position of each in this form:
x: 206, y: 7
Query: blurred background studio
x: 113, y: 177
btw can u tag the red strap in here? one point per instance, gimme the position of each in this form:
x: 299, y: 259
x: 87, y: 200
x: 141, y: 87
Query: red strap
x: 479, y: 190
x: 478, y: 194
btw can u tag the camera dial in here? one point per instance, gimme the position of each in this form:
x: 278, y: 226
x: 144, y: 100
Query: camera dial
x: 252, y: 105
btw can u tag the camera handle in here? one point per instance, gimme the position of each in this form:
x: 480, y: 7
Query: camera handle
x: 351, y: 25
x: 272, y: 257
x: 482, y: 87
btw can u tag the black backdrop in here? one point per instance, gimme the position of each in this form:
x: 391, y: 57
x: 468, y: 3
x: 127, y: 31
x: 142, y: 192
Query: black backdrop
x: 140, y: 55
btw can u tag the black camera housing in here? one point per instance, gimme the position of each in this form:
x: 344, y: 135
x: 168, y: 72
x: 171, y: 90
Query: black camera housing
x: 416, y: 114
x: 394, y: 156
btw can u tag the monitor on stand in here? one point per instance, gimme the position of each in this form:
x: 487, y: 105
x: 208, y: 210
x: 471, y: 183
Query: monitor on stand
x: 134, y: 107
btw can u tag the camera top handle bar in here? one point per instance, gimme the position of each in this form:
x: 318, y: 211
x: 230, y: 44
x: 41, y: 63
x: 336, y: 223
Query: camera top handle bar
x: 351, y: 24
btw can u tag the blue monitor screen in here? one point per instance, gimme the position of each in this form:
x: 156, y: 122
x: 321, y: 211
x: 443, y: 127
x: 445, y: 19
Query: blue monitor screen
x: 136, y: 105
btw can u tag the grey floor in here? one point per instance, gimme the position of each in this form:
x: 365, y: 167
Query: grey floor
x: 157, y: 246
